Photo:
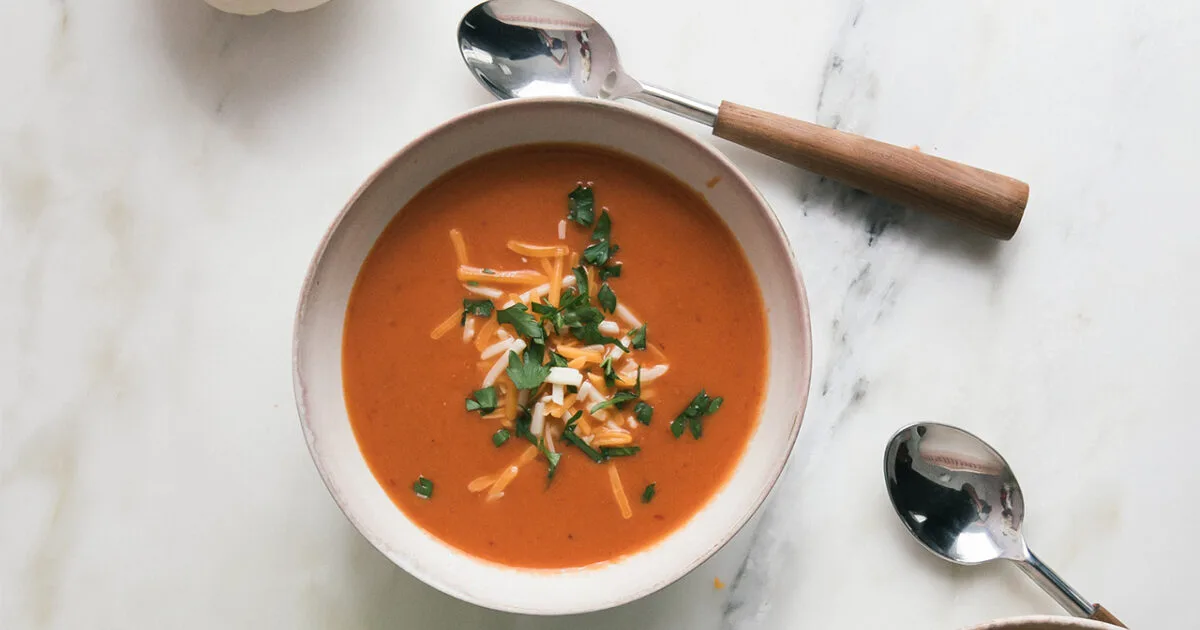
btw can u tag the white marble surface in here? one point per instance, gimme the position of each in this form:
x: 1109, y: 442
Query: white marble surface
x: 166, y: 172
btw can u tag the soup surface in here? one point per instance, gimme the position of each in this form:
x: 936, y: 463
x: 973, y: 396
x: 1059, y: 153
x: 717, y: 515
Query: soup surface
x: 446, y: 448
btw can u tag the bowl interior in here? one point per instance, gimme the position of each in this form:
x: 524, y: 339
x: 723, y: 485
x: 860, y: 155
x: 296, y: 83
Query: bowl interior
x: 318, y: 342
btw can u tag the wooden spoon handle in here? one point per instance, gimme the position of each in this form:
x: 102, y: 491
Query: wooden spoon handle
x: 985, y: 201
x: 1102, y: 614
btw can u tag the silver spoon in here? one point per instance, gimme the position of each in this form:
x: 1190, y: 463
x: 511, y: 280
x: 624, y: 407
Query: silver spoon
x: 523, y: 48
x: 958, y: 497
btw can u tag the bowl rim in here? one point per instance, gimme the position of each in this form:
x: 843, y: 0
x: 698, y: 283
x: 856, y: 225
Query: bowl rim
x: 804, y: 382
x: 1056, y: 621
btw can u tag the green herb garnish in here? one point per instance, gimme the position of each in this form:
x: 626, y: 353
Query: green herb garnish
x: 606, y: 298
x: 619, y: 451
x: 571, y: 437
x: 474, y: 283
x: 551, y: 459
x: 483, y: 400
x: 522, y: 424
x: 618, y: 399
x: 611, y: 271
x: 557, y: 360
x: 610, y: 374
x: 643, y: 412
x: 423, y: 487
x: 482, y: 308
x: 581, y: 281
x: 490, y: 272
x: 603, y: 229
x: 598, y: 253
x: 637, y: 337
x: 692, y: 416
x: 648, y: 493
x: 500, y: 437
x: 570, y: 427
x: 526, y: 374
x: 521, y: 321
x: 581, y: 204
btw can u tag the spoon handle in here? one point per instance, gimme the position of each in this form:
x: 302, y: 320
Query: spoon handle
x: 985, y: 201
x: 1101, y: 614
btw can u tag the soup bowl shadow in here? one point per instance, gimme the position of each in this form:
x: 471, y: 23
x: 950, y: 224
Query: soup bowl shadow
x: 320, y: 319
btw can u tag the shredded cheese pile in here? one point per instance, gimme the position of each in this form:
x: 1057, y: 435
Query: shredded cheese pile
x: 571, y: 397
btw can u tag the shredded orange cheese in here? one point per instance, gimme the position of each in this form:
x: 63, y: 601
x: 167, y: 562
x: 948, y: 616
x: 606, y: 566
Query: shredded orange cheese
x: 614, y: 480
x: 446, y: 325
x: 537, y: 251
x: 460, y: 247
x: 522, y: 276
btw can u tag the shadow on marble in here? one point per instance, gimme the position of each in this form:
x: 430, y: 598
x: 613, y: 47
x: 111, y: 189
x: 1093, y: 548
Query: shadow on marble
x: 387, y: 597
x: 876, y: 218
x: 241, y: 67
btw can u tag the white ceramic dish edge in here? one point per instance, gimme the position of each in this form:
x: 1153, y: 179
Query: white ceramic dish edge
x: 317, y: 374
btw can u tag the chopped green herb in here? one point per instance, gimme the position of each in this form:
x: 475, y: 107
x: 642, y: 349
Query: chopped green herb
x: 551, y: 459
x: 500, y: 437
x: 581, y: 281
x: 423, y: 487
x: 522, y: 322
x: 571, y: 437
x: 490, y: 272
x: 475, y: 283
x: 581, y: 204
x: 619, y: 451
x: 598, y: 253
x: 523, y: 421
x: 643, y: 412
x: 611, y: 271
x: 610, y: 374
x: 606, y: 298
x: 482, y: 308
x: 570, y: 427
x: 526, y: 374
x: 603, y: 230
x: 590, y: 334
x: 483, y: 400
x: 637, y: 337
x: 692, y: 416
x: 535, y: 353
x: 618, y: 399
x: 648, y: 493
x: 557, y: 360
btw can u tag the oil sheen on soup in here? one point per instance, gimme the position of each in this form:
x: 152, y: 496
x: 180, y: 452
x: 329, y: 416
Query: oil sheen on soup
x: 554, y: 356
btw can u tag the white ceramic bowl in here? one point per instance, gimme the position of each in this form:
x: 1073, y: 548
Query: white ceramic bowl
x: 1043, y: 622
x: 318, y: 344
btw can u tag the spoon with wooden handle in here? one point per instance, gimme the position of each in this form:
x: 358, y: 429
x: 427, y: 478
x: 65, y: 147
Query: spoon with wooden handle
x: 523, y: 48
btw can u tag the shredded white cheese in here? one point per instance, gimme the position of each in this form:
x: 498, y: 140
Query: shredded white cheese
x: 624, y: 313
x: 538, y: 421
x: 587, y: 392
x: 565, y: 376
x: 497, y: 348
x: 609, y: 327
x: 556, y: 394
x: 562, y: 229
x: 469, y: 329
x: 540, y: 290
x: 495, y: 294
x: 501, y: 363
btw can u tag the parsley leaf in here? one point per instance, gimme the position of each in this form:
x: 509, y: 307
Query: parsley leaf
x: 692, y: 416
x: 581, y: 283
x: 482, y: 308
x: 423, y: 487
x: 523, y: 422
x: 618, y: 399
x: 557, y: 360
x: 525, y: 374
x: 570, y: 427
x: 619, y: 451
x: 522, y: 322
x: 643, y: 412
x: 551, y: 459
x: 606, y: 298
x: 610, y: 374
x: 483, y: 400
x: 500, y: 437
x: 597, y: 254
x: 590, y: 334
x: 581, y: 204
x: 583, y: 446
x: 611, y: 271
x: 637, y: 337
x: 603, y: 230
x: 648, y: 493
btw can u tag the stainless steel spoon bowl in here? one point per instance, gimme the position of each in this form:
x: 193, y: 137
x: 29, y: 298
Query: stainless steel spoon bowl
x: 530, y: 48
x: 958, y: 497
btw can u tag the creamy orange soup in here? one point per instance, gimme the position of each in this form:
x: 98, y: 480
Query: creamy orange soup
x: 528, y: 420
